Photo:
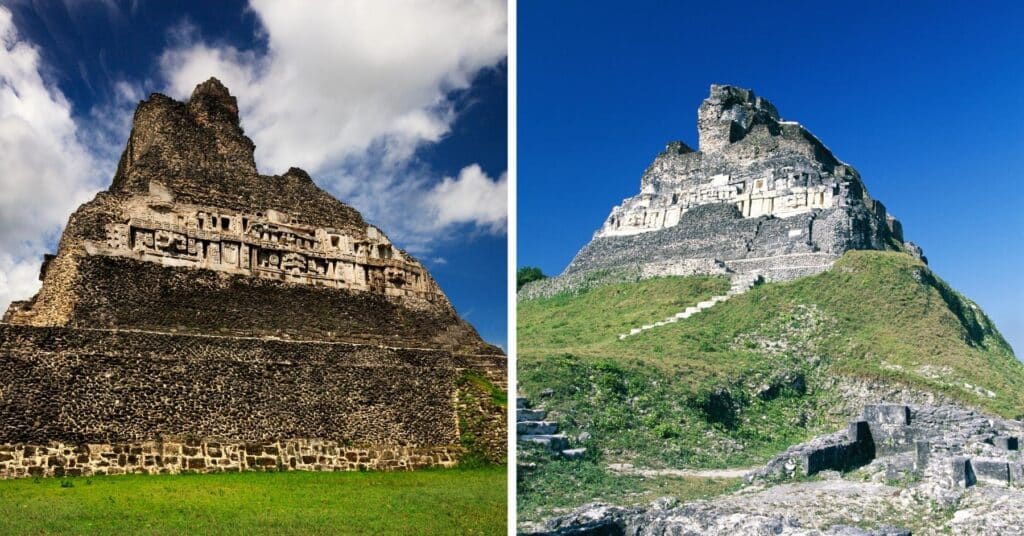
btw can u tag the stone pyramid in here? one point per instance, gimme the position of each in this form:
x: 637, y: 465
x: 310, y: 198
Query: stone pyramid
x: 200, y: 316
x: 761, y: 195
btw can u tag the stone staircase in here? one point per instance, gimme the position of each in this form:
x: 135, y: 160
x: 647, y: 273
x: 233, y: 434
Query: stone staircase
x: 741, y: 283
x: 532, y: 428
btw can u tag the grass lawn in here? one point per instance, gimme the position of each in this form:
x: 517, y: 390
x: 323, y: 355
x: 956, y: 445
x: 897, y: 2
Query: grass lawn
x: 453, y: 501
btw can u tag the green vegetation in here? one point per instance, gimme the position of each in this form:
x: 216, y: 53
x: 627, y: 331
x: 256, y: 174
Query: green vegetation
x: 528, y: 274
x: 455, y: 501
x: 738, y: 383
x: 483, y: 407
x: 563, y: 484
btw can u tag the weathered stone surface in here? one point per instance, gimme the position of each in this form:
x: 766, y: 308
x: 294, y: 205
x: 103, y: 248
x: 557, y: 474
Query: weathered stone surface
x: 665, y: 517
x: 761, y: 195
x: 170, y: 456
x: 98, y: 386
x: 189, y: 237
x: 946, y: 444
x: 198, y: 316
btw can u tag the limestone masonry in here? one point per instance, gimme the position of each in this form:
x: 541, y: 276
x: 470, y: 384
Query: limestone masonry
x: 200, y: 316
x: 762, y: 195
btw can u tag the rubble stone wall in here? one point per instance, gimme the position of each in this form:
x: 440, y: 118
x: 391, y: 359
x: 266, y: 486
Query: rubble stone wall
x: 96, y: 391
x: 207, y: 302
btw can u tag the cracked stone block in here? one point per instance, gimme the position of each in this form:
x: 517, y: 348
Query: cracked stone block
x: 887, y: 414
x: 963, y: 472
x: 991, y: 470
x: 574, y: 454
x: 1006, y: 442
x: 859, y: 431
x: 1017, y: 474
x: 924, y: 450
x: 536, y: 428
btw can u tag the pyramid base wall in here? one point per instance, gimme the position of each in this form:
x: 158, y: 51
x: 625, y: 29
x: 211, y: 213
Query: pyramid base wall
x: 194, y: 456
x: 83, y: 402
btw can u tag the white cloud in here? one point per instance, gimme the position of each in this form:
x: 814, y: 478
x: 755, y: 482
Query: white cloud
x: 471, y: 198
x: 348, y: 90
x: 18, y: 280
x: 46, y: 171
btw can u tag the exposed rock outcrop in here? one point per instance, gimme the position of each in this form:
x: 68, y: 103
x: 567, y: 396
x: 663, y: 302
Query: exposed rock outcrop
x: 898, y: 465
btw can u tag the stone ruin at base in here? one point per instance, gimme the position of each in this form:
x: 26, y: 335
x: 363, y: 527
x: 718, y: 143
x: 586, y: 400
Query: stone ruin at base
x: 761, y: 196
x: 200, y: 316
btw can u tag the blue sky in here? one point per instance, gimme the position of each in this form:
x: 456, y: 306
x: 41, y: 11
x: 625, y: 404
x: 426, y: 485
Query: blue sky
x: 925, y: 99
x: 400, y: 113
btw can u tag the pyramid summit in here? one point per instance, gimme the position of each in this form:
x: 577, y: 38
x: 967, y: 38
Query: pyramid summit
x: 190, y: 237
x: 761, y: 195
x: 198, y: 315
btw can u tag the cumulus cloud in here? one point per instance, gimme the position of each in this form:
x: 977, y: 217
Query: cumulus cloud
x: 471, y: 198
x: 348, y: 90
x: 47, y: 171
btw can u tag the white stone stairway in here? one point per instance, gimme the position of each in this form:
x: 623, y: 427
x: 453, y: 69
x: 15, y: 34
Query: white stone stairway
x: 741, y: 283
x: 532, y: 428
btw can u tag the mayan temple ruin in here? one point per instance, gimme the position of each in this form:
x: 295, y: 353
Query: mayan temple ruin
x: 198, y: 315
x: 761, y: 196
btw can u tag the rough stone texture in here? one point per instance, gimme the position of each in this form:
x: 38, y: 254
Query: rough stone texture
x: 945, y: 443
x: 959, y: 480
x: 83, y: 388
x: 247, y: 249
x: 761, y: 195
x: 200, y: 301
x: 665, y: 517
x: 172, y: 457
x: 198, y: 316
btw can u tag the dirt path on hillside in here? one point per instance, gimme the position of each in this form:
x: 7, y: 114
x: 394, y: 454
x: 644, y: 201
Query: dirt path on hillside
x: 628, y: 469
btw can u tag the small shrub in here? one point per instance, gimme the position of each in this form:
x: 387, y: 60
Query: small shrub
x: 667, y: 430
x: 66, y: 483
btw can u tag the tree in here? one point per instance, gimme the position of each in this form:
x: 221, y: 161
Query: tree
x: 527, y: 274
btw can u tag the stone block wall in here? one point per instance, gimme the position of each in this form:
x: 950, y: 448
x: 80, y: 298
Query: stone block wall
x: 67, y: 393
x: 181, y: 456
x: 207, y: 302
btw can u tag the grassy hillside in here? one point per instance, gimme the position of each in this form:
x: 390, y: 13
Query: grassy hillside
x: 736, y: 384
x: 456, y: 501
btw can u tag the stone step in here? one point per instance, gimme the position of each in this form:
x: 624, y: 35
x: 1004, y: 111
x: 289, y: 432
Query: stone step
x: 536, y: 427
x: 574, y: 454
x: 706, y: 304
x: 555, y: 442
x: 530, y: 415
x: 522, y: 402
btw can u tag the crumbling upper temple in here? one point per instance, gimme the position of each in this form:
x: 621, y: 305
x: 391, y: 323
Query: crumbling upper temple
x: 200, y: 316
x: 761, y: 195
x: 187, y: 197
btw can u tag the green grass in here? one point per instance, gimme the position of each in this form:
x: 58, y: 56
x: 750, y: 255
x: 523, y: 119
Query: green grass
x: 736, y: 384
x: 565, y: 484
x: 589, y: 323
x: 454, y: 501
